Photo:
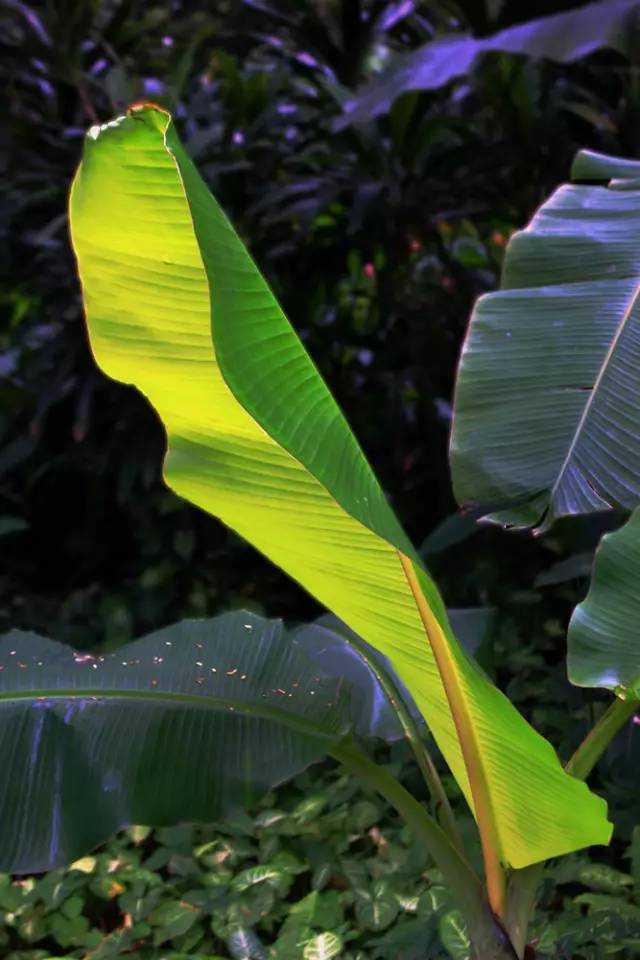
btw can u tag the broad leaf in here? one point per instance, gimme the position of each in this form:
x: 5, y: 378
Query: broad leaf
x: 175, y: 305
x: 563, y: 37
x: 547, y: 410
x: 604, y: 647
x: 187, y: 723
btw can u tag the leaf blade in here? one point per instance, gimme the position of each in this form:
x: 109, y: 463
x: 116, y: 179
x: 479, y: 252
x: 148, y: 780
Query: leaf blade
x: 545, y: 409
x: 245, y: 452
x: 124, y: 735
x: 602, y: 646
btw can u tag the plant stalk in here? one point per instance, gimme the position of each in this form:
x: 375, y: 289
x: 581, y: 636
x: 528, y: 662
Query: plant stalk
x: 524, y: 884
x: 488, y: 936
x: 444, y: 813
x: 598, y: 739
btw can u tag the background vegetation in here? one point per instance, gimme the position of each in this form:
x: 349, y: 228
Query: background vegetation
x: 377, y: 238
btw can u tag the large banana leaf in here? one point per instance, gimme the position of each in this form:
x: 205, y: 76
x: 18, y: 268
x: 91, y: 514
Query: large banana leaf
x: 604, y: 645
x: 547, y: 409
x: 175, y: 305
x: 563, y: 37
x: 187, y: 723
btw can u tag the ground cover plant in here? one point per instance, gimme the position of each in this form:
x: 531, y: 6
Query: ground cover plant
x: 320, y: 867
x: 264, y: 461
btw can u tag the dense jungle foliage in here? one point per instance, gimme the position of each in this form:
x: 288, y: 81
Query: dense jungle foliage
x: 377, y: 238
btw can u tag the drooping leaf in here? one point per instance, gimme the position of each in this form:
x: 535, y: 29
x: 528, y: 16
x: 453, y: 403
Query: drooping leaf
x: 187, y: 723
x: 603, y: 642
x: 547, y: 402
x: 175, y: 305
x: 563, y: 37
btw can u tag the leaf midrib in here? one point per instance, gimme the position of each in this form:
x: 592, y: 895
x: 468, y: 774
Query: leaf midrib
x: 594, y: 391
x: 216, y: 704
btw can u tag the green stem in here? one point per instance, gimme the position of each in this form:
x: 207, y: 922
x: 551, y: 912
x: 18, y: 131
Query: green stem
x: 523, y: 884
x: 522, y: 891
x: 444, y: 813
x: 490, y: 941
x: 598, y: 739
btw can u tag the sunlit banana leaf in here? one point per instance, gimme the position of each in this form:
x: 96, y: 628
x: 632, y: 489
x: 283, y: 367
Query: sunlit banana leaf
x: 563, y: 37
x: 175, y: 305
x: 547, y: 409
x: 187, y: 723
x: 603, y: 640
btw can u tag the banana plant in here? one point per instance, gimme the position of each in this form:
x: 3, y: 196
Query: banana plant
x: 548, y: 393
x: 546, y: 419
x: 176, y: 306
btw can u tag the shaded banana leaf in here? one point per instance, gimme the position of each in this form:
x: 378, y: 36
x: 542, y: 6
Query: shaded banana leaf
x: 475, y: 628
x: 575, y: 567
x: 564, y: 37
x: 547, y: 408
x: 603, y: 640
x: 175, y: 305
x: 339, y: 652
x: 187, y: 723
x: 453, y: 530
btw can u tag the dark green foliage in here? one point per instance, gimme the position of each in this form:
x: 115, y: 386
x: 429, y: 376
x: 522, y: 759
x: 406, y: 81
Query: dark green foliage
x: 376, y: 239
x: 319, y: 865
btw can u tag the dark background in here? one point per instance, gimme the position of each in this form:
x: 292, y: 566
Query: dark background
x: 377, y: 239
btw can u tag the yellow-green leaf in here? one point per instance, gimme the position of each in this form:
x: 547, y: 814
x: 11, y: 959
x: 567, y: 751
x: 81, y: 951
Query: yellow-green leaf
x: 176, y: 306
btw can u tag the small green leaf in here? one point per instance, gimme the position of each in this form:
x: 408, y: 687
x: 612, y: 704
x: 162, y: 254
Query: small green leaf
x: 433, y: 900
x: 321, y: 875
x: 599, y: 902
x: 254, y: 875
x: 69, y: 933
x: 172, y: 920
x: 323, y: 947
x: 454, y: 936
x: 599, y: 876
x: 72, y: 907
x: 309, y: 808
x: 364, y: 814
x: 377, y: 909
x: 320, y: 910
x: 243, y: 944
x: 84, y: 865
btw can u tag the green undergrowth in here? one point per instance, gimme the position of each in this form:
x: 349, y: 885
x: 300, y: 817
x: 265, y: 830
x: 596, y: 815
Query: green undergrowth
x: 321, y: 869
